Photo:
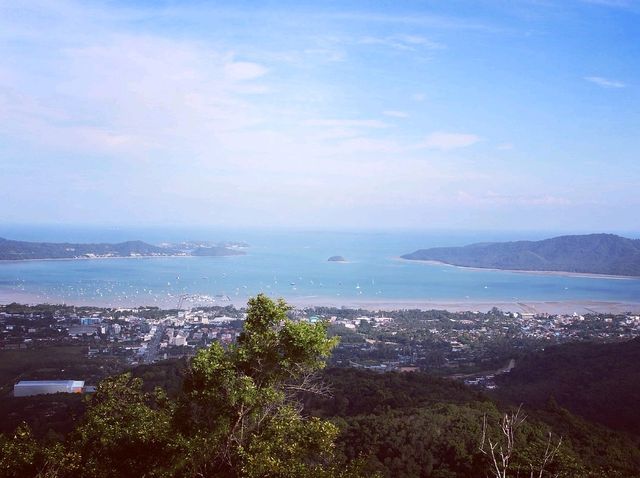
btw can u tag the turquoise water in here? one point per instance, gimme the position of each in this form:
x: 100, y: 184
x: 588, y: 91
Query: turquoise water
x: 288, y: 264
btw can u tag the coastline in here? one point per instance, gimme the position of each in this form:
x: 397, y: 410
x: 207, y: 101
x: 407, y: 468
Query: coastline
x: 17, y: 261
x: 561, y: 307
x: 586, y: 275
x: 452, y: 305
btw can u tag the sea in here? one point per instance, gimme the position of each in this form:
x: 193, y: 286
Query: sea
x: 291, y: 264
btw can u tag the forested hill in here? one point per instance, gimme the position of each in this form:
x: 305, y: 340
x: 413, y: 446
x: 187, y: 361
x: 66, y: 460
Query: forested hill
x: 592, y: 254
x: 415, y: 425
x: 21, y: 250
x: 600, y: 382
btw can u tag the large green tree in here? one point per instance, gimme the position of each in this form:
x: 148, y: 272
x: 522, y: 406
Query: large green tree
x: 239, y: 412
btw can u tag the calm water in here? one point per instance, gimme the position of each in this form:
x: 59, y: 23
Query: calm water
x: 288, y: 264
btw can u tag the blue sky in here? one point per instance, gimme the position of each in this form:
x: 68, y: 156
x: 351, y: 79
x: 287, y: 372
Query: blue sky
x: 459, y: 114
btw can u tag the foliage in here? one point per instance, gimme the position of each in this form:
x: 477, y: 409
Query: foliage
x: 237, y: 414
x: 600, y: 382
x: 410, y: 423
x: 590, y: 253
x: 125, y: 431
x: 21, y: 455
x: 242, y: 397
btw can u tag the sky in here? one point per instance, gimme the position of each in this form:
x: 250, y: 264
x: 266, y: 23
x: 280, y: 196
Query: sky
x: 520, y: 115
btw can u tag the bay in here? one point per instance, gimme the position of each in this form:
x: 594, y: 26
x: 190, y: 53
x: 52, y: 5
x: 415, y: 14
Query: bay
x: 289, y: 264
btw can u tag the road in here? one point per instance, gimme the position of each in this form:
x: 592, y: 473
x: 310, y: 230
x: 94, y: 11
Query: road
x: 154, y: 345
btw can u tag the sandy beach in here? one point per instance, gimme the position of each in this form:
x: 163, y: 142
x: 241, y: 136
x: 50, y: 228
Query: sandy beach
x: 522, y: 271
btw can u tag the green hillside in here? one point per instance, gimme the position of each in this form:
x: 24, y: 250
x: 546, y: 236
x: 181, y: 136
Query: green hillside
x: 599, y: 382
x: 590, y: 254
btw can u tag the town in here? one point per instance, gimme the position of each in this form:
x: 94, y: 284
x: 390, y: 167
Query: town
x: 471, y: 346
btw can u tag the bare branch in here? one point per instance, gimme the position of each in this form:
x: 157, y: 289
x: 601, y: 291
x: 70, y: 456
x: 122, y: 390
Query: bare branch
x: 502, y: 451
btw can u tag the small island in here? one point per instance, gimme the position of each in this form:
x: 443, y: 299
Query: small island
x: 336, y: 259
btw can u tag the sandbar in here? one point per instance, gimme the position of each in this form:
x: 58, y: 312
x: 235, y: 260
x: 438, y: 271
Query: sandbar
x: 587, y: 275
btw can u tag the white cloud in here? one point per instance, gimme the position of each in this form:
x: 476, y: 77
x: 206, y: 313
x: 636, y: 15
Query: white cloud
x: 160, y: 124
x: 447, y: 141
x: 244, y: 70
x: 366, y: 123
x: 492, y: 198
x: 421, y: 20
x: 132, y: 93
x: 605, y: 82
x: 396, y: 114
x: 328, y: 55
x: 403, y: 42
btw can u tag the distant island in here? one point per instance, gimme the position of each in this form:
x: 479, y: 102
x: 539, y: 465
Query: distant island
x: 21, y: 250
x: 589, y: 254
x: 336, y: 259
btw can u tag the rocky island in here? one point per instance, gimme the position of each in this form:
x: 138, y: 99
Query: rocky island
x: 587, y: 254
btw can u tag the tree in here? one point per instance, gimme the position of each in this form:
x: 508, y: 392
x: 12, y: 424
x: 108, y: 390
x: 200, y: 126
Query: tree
x: 502, y: 450
x: 22, y: 455
x: 125, y: 432
x: 240, y: 412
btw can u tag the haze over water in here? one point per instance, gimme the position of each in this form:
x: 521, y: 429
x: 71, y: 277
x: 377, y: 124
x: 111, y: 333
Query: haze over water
x: 288, y: 264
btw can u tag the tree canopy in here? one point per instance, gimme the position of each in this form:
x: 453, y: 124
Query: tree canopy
x: 238, y: 414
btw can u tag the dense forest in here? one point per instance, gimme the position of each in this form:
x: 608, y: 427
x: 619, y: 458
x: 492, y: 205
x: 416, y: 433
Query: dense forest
x: 413, y: 424
x: 591, y: 254
x: 266, y: 407
x: 600, y: 382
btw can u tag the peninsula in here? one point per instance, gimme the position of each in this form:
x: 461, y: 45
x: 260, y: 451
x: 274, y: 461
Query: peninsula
x: 589, y: 254
x: 21, y: 250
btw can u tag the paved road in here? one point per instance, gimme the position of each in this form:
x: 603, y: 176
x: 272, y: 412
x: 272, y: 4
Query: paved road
x: 154, y: 345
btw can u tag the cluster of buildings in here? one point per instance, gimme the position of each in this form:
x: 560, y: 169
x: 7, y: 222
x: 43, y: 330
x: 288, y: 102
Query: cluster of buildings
x: 188, y: 331
x: 135, y: 336
x: 472, y: 346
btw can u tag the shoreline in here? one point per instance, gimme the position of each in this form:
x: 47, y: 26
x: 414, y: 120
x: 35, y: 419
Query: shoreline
x: 17, y: 261
x: 586, y: 275
x: 560, y: 307
x: 453, y: 305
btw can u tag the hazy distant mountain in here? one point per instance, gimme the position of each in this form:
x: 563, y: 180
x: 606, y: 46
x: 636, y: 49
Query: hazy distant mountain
x: 21, y: 250
x: 592, y: 253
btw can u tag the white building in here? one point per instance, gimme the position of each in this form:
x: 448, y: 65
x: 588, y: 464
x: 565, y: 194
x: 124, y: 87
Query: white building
x: 26, y: 388
x: 178, y: 341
